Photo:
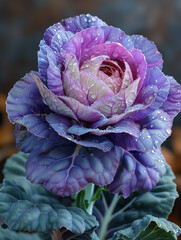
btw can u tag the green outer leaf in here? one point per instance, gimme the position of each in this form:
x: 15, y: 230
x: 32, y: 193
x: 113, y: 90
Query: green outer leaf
x: 89, y: 235
x: 34, y: 209
x: 19, y: 212
x: 149, y: 228
x: 154, y: 232
x: 14, y: 166
x: 157, y: 202
x: 6, y: 234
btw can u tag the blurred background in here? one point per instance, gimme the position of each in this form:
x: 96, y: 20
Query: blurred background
x: 23, y: 22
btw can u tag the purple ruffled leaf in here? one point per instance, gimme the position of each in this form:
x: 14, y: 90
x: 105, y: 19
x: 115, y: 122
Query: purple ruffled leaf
x: 159, y: 126
x: 52, y: 101
x: 153, y: 93
x: 138, y: 171
x: 112, y: 105
x: 117, y: 104
x: 79, y: 23
x: 154, y: 129
x: 71, y: 66
x: 173, y: 103
x: 115, y: 51
x: 25, y: 141
x: 148, y: 48
x: 81, y: 111
x: 73, y: 89
x: 141, y: 65
x: 129, y: 113
x: 61, y: 125
x: 36, y: 124
x: 59, y: 39
x: 112, y: 34
x: 131, y: 92
x: 51, y: 32
x: 49, y: 57
x: 156, y: 77
x: 113, y: 82
x: 42, y: 59
x: 23, y: 109
x: 66, y: 169
x: 84, y: 40
x: 92, y: 65
x: 147, y: 97
x: 128, y: 76
x: 94, y: 87
x: 54, y: 81
x: 125, y: 126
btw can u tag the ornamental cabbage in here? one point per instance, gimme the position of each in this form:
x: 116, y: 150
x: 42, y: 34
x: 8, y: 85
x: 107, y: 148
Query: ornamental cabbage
x: 96, y: 111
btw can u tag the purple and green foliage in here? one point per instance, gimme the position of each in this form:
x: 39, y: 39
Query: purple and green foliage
x: 95, y: 113
x: 31, y: 208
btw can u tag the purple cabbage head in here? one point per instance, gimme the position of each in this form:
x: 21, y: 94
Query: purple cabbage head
x: 97, y: 110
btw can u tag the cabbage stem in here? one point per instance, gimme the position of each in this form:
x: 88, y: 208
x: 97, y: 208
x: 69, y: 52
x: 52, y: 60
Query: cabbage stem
x: 89, y: 191
x: 107, y: 217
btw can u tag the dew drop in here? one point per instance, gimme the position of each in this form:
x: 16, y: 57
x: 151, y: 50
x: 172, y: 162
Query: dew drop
x: 122, y: 104
x: 71, y: 136
x: 168, y: 131
x: 106, y: 147
x: 93, y: 95
x: 82, y: 39
x: 148, y: 100
x: 158, y: 111
x: 144, y: 130
x: 86, y: 65
x: 115, y: 54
